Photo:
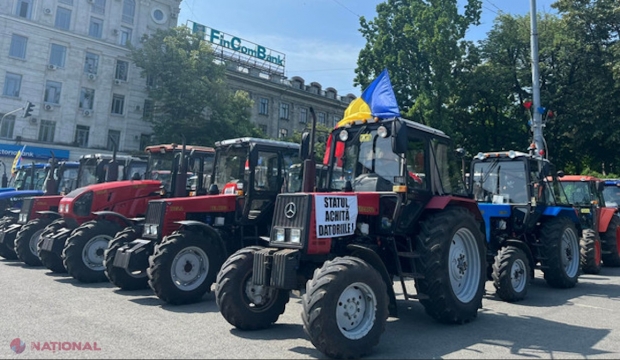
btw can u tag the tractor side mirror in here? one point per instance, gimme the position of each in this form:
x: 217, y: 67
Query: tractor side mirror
x: 560, y: 173
x: 399, y: 137
x: 600, y: 186
x: 304, y: 147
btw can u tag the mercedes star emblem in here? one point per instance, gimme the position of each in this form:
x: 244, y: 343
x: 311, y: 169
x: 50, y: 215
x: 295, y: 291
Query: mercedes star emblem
x: 290, y: 210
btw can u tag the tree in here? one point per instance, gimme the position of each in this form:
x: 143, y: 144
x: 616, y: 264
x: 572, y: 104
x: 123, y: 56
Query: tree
x: 188, y: 89
x: 419, y: 42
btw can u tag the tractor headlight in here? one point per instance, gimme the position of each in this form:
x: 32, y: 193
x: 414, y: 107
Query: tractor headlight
x: 382, y: 131
x: 151, y: 229
x: 23, y: 218
x: 296, y: 236
x: 280, y: 235
x: 344, y: 135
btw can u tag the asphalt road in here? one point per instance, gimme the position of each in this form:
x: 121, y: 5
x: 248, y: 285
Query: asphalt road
x: 38, y: 306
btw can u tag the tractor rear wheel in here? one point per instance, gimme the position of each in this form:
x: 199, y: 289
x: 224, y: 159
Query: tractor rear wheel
x: 244, y: 305
x: 345, y: 308
x: 83, y: 252
x: 611, y: 243
x: 184, y: 266
x: 119, y: 276
x: 453, y: 263
x: 511, y: 274
x: 7, y: 251
x: 27, y: 239
x: 561, y: 256
x: 590, y: 246
x: 50, y: 259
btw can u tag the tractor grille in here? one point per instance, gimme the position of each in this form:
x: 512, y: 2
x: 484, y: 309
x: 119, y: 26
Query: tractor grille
x: 24, y: 212
x: 155, y: 214
x: 302, y: 202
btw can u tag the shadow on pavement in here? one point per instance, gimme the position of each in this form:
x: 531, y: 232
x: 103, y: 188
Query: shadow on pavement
x: 69, y: 280
x: 207, y: 304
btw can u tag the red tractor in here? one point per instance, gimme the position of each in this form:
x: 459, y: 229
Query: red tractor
x: 184, y: 241
x: 92, y: 215
x: 37, y: 213
x: 395, y: 206
x: 599, y: 242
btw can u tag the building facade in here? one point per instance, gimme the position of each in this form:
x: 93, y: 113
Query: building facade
x: 69, y: 58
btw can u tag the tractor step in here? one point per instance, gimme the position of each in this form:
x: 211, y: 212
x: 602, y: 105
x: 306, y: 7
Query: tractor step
x: 410, y: 255
x: 411, y: 275
x: 416, y: 297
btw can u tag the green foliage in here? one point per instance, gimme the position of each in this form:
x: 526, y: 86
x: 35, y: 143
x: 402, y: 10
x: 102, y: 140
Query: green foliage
x: 189, y: 92
x: 322, y: 132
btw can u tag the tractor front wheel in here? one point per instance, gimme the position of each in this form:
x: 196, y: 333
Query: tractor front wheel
x: 345, y: 308
x: 511, y: 274
x: 184, y: 266
x: 7, y: 251
x: 590, y: 246
x: 611, y: 243
x: 453, y: 265
x: 244, y: 305
x: 561, y: 260
x: 83, y: 253
x: 50, y: 259
x: 118, y: 276
x: 27, y: 239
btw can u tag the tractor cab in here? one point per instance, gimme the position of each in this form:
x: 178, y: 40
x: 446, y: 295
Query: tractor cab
x: 29, y: 176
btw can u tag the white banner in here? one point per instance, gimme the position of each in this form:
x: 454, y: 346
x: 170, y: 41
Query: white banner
x: 335, y: 215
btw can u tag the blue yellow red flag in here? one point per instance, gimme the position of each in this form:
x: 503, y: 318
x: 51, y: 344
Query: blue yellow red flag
x: 377, y: 100
x: 18, y: 159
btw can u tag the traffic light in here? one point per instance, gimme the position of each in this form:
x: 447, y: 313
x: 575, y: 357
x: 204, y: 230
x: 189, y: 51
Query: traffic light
x: 28, y: 109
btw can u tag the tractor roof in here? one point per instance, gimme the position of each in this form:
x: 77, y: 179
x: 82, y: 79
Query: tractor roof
x: 574, y: 178
x: 176, y: 147
x: 251, y: 140
x: 612, y: 182
x: 408, y: 123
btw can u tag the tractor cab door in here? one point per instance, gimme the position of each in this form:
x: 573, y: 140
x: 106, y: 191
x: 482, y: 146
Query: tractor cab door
x: 267, y: 170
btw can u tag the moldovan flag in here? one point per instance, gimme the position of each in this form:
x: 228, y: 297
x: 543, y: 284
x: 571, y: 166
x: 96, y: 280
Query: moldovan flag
x: 18, y: 159
x: 377, y: 100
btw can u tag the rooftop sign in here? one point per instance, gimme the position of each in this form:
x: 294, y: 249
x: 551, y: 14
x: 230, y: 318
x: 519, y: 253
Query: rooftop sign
x: 230, y: 47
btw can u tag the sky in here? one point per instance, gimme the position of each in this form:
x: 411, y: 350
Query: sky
x: 320, y: 38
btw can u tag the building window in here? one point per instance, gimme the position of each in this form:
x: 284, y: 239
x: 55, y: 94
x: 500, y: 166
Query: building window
x: 118, y: 102
x: 114, y: 136
x: 98, y: 7
x: 18, y: 46
x: 95, y: 29
x: 284, y: 111
x: 129, y: 10
x: 303, y: 115
x: 283, y: 133
x: 68, y: 2
x: 147, y: 110
x: 121, y: 70
x: 335, y: 121
x: 321, y: 118
x: 91, y: 63
x: 8, y: 124
x: 52, y: 92
x: 263, y: 106
x: 24, y: 8
x: 12, y: 85
x: 58, y: 54
x: 47, y: 130
x: 263, y: 128
x: 145, y: 140
x: 81, y: 135
x: 125, y: 36
x: 87, y: 98
x: 63, y: 18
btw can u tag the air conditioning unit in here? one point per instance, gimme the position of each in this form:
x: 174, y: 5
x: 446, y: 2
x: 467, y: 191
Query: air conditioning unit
x: 87, y: 112
x: 118, y: 82
x: 48, y: 107
x: 51, y: 67
x: 92, y: 77
x: 47, y: 11
x: 33, y: 121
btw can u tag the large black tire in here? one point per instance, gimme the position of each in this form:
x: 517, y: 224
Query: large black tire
x: 119, y: 276
x: 83, y: 252
x: 7, y: 251
x: 590, y: 250
x: 561, y: 261
x: 50, y: 259
x: 193, y: 257
x: 453, y: 264
x: 511, y: 274
x: 27, y: 240
x: 611, y: 244
x: 236, y: 296
x: 345, y: 308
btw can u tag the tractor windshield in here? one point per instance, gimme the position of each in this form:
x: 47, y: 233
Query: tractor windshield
x: 88, y: 173
x: 612, y: 196
x: 500, y: 182
x: 24, y: 180
x: 230, y: 166
x: 160, y: 166
x: 68, y: 179
x: 578, y: 192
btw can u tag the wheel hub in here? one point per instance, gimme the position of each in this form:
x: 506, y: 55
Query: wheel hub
x: 34, y: 240
x: 92, y: 255
x: 258, y: 294
x: 355, y: 311
x: 189, y: 268
x: 517, y: 275
x: 463, y: 255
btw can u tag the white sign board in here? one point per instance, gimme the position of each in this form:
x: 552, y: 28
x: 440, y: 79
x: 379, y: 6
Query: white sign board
x: 335, y: 215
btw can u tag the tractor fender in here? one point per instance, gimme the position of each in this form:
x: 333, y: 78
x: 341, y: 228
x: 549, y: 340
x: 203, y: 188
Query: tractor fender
x: 123, y: 220
x: 441, y: 202
x: 375, y: 261
x: 207, y: 229
x: 606, y: 215
x: 49, y: 214
x: 526, y: 249
x: 555, y: 211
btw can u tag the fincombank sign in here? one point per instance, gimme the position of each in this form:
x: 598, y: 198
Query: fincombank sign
x: 235, y: 48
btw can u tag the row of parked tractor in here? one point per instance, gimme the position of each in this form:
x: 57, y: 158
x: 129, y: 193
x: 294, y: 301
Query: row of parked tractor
x: 259, y: 218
